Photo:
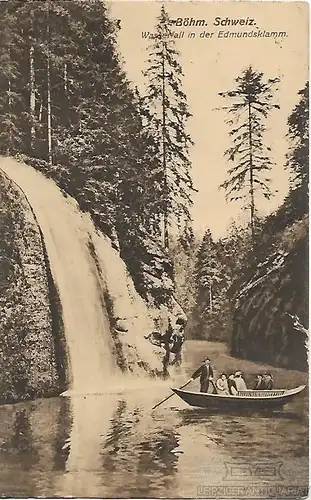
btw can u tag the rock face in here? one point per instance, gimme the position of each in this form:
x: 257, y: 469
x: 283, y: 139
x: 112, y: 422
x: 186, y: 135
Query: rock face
x: 262, y: 329
x: 30, y: 338
x: 70, y: 313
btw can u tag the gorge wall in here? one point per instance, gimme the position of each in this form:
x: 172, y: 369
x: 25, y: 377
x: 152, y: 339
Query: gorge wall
x: 28, y: 351
x: 262, y: 329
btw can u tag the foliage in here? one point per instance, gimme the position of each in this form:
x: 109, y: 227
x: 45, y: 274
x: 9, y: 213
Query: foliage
x: 207, y: 281
x: 262, y: 329
x: 183, y: 250
x: 165, y: 111
x: 298, y: 135
x: 212, y: 277
x: 251, y: 105
x: 68, y: 108
x: 11, y: 133
x: 276, y: 284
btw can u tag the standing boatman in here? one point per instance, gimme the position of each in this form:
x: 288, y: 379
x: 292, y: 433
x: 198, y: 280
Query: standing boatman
x: 205, y: 372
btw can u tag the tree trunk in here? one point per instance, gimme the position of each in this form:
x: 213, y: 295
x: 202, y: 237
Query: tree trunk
x: 165, y: 221
x: 49, y: 117
x: 65, y: 79
x: 32, y: 99
x: 9, y: 112
x: 40, y: 112
x: 251, y: 174
x: 64, y: 114
x: 210, y: 297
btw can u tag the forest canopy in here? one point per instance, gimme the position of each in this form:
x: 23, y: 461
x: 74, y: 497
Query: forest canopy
x: 69, y: 109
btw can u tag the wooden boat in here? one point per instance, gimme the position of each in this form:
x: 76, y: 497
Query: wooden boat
x: 246, y: 400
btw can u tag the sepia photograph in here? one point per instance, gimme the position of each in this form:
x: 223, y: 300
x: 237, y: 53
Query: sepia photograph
x: 154, y: 275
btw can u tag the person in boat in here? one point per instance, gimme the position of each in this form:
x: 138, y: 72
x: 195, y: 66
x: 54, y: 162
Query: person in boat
x: 233, y: 390
x: 206, y: 374
x: 222, y: 384
x: 239, y: 381
x: 268, y: 382
x: 259, y: 382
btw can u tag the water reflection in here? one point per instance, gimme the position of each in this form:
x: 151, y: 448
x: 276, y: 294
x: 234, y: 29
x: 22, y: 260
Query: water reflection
x: 138, y: 452
x: 30, y: 450
x: 21, y: 442
x: 196, y: 415
x: 113, y: 445
x: 62, y: 437
x: 91, y: 417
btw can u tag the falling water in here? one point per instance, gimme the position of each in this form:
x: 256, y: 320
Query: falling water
x: 67, y: 234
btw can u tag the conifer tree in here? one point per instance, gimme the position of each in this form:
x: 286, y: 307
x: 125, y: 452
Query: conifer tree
x: 68, y: 107
x: 252, y: 101
x: 39, y: 26
x: 183, y: 252
x: 166, y: 116
x: 212, y: 275
x: 208, y: 272
x: 298, y: 134
x: 11, y: 136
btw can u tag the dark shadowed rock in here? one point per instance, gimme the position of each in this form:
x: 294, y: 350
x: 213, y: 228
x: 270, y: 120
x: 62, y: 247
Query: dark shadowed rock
x: 262, y: 329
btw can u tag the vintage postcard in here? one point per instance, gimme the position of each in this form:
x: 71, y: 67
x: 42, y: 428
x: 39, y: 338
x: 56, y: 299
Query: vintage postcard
x: 154, y: 301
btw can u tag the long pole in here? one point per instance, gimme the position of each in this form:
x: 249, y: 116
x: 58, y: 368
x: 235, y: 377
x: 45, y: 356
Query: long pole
x: 171, y: 395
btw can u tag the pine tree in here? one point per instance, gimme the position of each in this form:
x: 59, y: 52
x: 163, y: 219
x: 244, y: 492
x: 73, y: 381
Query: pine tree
x: 11, y: 136
x: 236, y: 255
x: 212, y: 310
x: 183, y: 251
x: 298, y: 134
x: 252, y: 103
x: 151, y: 175
x: 39, y: 26
x: 85, y: 132
x: 207, y: 269
x: 186, y: 238
x: 237, y: 246
x: 166, y: 116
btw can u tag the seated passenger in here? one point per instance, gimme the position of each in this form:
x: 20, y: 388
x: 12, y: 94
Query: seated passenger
x: 232, y: 385
x: 268, y: 381
x: 240, y: 382
x: 259, y: 383
x: 222, y: 384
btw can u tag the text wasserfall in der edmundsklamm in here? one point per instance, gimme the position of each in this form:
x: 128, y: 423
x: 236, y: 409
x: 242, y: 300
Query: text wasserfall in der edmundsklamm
x: 247, y: 24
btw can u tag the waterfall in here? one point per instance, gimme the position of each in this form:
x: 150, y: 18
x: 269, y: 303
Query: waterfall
x: 67, y: 234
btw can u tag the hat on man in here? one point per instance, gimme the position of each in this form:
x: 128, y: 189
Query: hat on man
x: 205, y: 359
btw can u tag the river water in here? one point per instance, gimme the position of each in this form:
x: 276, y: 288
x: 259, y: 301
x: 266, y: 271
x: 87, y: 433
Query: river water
x: 112, y: 445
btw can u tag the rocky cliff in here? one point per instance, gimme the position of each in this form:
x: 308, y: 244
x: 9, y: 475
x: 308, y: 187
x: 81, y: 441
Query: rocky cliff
x: 262, y: 329
x: 30, y: 334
